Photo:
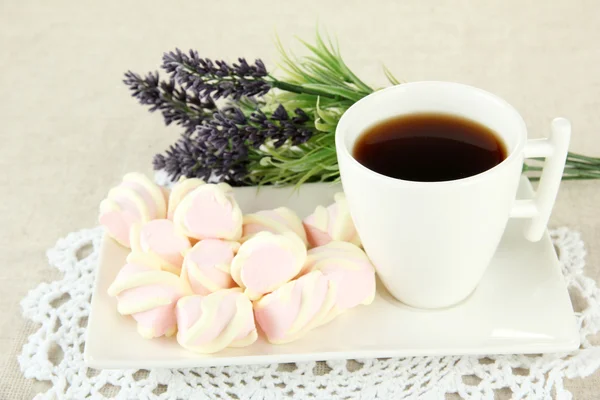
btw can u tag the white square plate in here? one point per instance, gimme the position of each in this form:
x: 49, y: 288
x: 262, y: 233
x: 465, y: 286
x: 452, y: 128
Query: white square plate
x: 521, y: 306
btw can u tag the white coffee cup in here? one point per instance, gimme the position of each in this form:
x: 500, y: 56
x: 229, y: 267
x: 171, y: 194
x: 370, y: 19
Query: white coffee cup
x: 431, y: 242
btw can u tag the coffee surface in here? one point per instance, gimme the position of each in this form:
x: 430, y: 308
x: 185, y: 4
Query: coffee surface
x: 429, y: 147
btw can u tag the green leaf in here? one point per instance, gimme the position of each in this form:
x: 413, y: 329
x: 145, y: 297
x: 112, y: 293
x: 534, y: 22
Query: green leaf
x: 323, y: 126
x: 332, y: 90
x: 324, y: 56
x: 329, y: 117
x: 390, y: 76
x: 335, y: 55
x: 324, y: 75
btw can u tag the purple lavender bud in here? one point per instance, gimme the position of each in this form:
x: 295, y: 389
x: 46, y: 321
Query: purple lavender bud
x: 216, y: 79
x: 158, y: 162
x: 175, y: 104
x: 280, y: 114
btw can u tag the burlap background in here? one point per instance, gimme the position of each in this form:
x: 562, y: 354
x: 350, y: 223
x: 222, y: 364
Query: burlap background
x: 69, y: 129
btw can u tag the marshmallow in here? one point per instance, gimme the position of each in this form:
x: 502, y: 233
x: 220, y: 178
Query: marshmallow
x: 211, y: 323
x: 209, y: 212
x: 278, y: 221
x: 135, y: 199
x: 331, y: 223
x: 267, y: 261
x: 148, y: 294
x: 179, y: 191
x: 295, y: 308
x: 160, y: 239
x: 349, y: 268
x: 206, y: 266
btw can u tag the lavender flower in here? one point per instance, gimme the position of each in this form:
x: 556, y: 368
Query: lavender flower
x: 256, y: 129
x: 280, y: 127
x: 192, y: 158
x: 221, y: 147
x: 176, y: 105
x: 216, y: 79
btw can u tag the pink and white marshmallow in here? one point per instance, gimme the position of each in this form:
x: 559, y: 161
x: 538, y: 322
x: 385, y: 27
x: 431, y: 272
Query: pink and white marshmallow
x: 206, y: 267
x: 277, y: 221
x: 209, y: 212
x: 267, y: 261
x: 148, y: 294
x: 349, y: 268
x: 331, y: 223
x: 181, y: 189
x: 291, y: 311
x: 161, y: 239
x: 208, y: 324
x: 135, y: 199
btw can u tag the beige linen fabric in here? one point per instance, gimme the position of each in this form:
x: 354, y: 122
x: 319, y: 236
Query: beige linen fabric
x: 69, y: 130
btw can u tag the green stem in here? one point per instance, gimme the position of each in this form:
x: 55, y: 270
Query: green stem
x: 576, y: 158
x: 577, y: 167
x: 583, y: 175
x: 568, y: 169
x: 564, y: 178
x: 593, y: 160
x: 584, y: 166
x: 290, y: 87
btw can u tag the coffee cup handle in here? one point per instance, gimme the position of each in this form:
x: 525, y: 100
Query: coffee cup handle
x: 554, y: 149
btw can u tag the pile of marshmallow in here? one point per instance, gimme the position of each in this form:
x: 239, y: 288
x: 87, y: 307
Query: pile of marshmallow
x: 201, y: 269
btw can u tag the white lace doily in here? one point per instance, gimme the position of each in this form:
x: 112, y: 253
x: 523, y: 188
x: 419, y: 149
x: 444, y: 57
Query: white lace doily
x: 55, y: 352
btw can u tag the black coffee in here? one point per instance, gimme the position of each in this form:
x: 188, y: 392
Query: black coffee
x: 429, y: 147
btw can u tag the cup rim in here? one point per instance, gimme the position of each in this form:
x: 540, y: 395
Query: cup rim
x: 512, y: 156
